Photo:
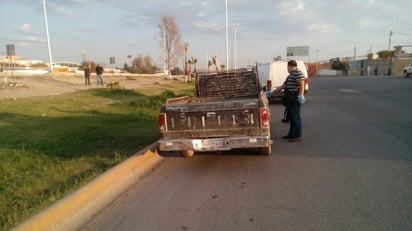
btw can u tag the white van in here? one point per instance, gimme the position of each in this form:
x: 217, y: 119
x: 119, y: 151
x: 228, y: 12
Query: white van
x: 273, y: 74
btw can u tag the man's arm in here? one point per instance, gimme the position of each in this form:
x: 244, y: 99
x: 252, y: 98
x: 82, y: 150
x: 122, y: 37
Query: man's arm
x: 302, y: 87
x: 301, y: 98
x: 278, y: 89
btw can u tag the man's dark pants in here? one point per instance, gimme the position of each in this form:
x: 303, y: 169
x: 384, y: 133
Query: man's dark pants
x: 295, y: 130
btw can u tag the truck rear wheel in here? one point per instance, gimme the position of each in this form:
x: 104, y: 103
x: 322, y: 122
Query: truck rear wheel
x: 266, y: 150
x: 188, y: 153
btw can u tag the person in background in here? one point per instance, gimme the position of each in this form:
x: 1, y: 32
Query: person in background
x: 87, y: 72
x: 99, y: 75
x: 294, y: 88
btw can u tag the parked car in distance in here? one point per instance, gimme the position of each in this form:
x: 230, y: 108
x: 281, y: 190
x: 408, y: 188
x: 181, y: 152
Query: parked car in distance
x: 161, y: 73
x: 407, y: 71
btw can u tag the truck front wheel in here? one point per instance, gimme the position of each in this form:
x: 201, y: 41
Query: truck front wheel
x: 188, y: 153
x: 405, y: 74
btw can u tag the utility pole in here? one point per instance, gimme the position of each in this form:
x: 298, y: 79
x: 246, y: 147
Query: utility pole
x: 390, y: 36
x: 227, y: 40
x: 164, y: 50
x: 185, y: 66
x: 317, y: 63
x: 48, y: 38
x: 354, y: 53
x: 88, y: 56
x: 234, y: 60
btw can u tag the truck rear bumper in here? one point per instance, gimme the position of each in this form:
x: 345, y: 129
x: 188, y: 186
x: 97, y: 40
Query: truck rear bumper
x: 214, y: 144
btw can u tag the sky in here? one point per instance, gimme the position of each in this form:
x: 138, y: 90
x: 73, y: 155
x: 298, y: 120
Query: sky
x: 258, y: 30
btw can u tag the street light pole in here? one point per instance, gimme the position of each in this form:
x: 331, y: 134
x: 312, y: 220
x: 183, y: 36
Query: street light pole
x: 317, y: 63
x: 47, y: 34
x: 390, y: 36
x: 236, y: 25
x: 227, y: 40
x: 185, y: 66
x: 164, y: 49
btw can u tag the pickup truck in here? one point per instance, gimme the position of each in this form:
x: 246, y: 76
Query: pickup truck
x: 229, y: 111
x: 407, y: 71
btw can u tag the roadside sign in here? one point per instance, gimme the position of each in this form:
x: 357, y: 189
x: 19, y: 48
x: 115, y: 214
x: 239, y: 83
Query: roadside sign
x: 297, y: 51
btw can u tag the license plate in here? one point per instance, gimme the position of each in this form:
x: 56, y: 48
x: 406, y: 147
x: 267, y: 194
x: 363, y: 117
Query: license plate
x: 212, y: 143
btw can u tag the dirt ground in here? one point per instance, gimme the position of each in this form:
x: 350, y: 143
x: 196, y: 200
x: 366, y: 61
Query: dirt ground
x: 23, y: 85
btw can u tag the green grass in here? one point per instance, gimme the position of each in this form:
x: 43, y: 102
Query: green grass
x: 51, y: 145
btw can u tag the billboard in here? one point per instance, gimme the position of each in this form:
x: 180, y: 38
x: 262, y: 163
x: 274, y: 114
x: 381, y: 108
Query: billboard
x: 297, y: 51
x: 10, y: 50
x: 112, y: 60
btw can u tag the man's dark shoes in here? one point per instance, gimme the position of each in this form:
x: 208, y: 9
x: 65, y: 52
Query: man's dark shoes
x: 287, y: 137
x: 294, y: 139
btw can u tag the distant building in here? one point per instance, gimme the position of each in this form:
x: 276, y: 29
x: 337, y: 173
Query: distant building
x: 66, y: 67
x: 17, y: 63
x: 399, y: 53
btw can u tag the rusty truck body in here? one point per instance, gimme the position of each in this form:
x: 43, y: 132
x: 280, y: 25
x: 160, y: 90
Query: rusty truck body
x: 229, y: 111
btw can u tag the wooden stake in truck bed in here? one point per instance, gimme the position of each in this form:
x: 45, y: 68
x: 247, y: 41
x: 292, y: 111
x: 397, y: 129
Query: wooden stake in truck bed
x: 228, y: 112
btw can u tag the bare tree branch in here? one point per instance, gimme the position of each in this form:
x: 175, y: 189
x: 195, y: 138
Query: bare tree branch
x: 170, y: 41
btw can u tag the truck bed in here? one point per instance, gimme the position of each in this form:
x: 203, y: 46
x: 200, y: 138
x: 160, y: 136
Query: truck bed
x: 229, y: 111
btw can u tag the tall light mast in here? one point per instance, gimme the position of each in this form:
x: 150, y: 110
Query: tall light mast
x: 236, y: 25
x: 48, y: 38
x: 227, y: 40
x: 164, y: 49
x: 390, y: 36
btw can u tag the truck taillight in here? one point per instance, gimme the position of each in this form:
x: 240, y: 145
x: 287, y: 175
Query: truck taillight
x: 264, y: 117
x: 162, y: 122
x: 269, y: 85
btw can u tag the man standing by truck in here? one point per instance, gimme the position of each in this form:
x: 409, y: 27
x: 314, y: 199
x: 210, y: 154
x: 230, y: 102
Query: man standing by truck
x: 294, y: 88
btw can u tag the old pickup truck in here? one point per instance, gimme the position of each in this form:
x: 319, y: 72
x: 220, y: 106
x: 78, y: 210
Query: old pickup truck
x: 229, y: 111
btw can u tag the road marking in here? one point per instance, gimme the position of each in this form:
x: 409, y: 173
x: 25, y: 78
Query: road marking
x: 350, y: 91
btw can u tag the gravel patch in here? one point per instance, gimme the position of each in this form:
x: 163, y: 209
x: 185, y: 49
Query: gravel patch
x: 20, y: 86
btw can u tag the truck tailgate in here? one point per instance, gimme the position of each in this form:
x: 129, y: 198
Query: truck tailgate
x: 213, y: 119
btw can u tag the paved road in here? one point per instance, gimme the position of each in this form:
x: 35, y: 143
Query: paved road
x: 353, y: 171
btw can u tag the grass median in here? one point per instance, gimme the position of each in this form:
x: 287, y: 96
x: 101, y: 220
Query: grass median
x: 51, y: 145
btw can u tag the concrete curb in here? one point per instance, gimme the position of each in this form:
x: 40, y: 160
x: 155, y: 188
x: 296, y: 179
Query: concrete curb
x: 74, y: 210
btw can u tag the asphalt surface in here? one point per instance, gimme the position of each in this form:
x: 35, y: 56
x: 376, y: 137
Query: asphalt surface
x: 352, y: 171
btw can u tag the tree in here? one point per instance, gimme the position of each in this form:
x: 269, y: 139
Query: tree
x: 386, y: 54
x: 214, y: 61
x: 170, y: 41
x: 142, y: 65
x: 192, y: 61
x: 222, y: 67
x: 39, y: 65
x: 338, y: 65
x: 93, y: 65
x: 277, y: 58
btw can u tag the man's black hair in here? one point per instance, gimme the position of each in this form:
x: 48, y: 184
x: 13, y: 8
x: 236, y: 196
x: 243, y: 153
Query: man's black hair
x: 292, y: 63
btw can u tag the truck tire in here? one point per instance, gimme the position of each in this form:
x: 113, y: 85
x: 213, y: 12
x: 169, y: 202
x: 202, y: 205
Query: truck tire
x: 266, y: 150
x: 187, y: 153
x: 405, y: 74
